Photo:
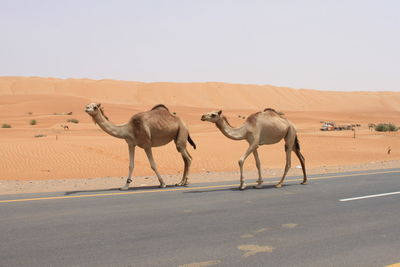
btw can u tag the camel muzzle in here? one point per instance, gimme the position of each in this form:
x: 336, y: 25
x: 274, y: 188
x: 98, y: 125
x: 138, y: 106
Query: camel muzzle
x: 203, y: 118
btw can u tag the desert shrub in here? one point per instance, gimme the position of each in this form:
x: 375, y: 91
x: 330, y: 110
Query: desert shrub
x: 32, y: 122
x: 6, y: 125
x: 381, y: 127
x: 392, y: 127
x: 30, y: 113
x: 386, y: 127
x: 73, y: 120
x: 40, y: 135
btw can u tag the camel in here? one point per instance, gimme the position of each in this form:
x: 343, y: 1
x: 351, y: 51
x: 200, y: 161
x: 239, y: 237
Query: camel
x: 152, y: 128
x: 261, y: 128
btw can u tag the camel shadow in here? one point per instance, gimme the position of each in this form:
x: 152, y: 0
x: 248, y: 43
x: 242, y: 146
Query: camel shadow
x: 141, y: 188
x: 236, y: 189
x: 190, y: 190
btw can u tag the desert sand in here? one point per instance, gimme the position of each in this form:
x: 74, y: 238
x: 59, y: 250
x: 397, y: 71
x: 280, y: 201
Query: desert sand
x: 76, y: 157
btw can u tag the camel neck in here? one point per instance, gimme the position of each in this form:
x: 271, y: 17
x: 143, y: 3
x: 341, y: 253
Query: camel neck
x: 231, y: 132
x: 110, y: 128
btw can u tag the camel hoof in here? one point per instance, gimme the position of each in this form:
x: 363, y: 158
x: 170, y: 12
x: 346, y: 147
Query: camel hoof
x: 182, y: 184
x: 242, y: 187
x: 278, y: 185
x: 162, y: 186
x: 124, y: 188
x: 259, y: 186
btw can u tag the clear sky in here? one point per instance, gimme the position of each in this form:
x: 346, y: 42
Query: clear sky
x: 321, y: 44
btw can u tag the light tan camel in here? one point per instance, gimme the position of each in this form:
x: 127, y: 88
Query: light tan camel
x: 153, y: 128
x: 261, y: 128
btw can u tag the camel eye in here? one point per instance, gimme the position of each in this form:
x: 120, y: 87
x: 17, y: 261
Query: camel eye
x: 213, y: 115
x: 95, y: 108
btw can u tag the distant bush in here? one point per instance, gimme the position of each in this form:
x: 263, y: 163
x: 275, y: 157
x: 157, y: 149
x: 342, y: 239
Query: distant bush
x: 6, y: 125
x: 30, y: 113
x: 73, y: 120
x: 40, y: 135
x: 32, y: 122
x: 386, y: 127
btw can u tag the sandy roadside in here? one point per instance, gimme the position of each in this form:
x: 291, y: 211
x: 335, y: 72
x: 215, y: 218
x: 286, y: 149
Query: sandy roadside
x: 106, y: 183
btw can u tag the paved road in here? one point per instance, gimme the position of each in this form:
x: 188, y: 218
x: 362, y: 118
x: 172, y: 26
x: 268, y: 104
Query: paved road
x: 211, y: 225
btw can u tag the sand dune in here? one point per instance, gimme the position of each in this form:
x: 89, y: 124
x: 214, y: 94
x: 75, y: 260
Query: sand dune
x: 85, y: 151
x: 205, y: 95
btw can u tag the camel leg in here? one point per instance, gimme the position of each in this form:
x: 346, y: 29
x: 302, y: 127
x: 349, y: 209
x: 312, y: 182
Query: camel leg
x: 153, y: 165
x: 241, y: 162
x: 303, y: 165
x: 187, y: 159
x: 180, y: 143
x: 131, y: 166
x: 288, y: 164
x: 258, y: 164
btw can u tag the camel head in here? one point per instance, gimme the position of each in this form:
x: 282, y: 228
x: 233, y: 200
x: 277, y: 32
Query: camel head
x: 213, y: 116
x: 92, y: 109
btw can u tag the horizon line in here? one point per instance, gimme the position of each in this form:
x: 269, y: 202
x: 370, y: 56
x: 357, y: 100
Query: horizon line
x: 193, y: 82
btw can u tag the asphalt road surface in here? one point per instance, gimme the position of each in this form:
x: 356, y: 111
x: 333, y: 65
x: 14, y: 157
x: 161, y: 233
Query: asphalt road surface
x: 348, y: 219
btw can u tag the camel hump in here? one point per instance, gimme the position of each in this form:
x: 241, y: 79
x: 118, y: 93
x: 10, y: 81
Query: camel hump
x: 273, y: 110
x: 270, y: 109
x: 159, y: 106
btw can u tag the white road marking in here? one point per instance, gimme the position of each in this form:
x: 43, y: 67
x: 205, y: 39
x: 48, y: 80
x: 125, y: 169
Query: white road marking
x: 370, y: 196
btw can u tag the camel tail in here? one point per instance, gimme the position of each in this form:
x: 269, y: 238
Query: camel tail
x: 296, y: 143
x: 191, y: 142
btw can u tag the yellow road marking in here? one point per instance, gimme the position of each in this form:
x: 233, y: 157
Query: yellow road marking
x: 289, y: 225
x: 201, y: 264
x: 186, y: 188
x: 254, y: 249
x: 393, y: 265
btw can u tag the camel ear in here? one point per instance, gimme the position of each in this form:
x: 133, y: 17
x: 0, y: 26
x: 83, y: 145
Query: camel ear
x: 220, y: 112
x: 98, y: 105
